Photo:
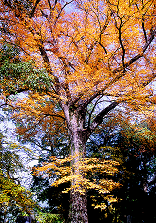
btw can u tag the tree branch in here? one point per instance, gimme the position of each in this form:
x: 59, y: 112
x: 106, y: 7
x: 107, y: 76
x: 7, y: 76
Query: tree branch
x: 122, y: 46
x: 120, y: 71
x: 34, y: 8
x: 67, y: 3
x: 90, y: 114
x: 144, y: 31
x: 99, y: 118
x: 48, y: 67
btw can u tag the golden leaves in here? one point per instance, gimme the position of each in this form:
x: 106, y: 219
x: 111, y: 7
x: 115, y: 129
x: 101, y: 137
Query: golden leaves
x: 83, y: 174
x: 94, y: 40
x: 10, y: 191
x: 97, y: 50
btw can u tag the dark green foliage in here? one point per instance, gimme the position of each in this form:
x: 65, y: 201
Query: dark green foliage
x: 18, y: 76
x: 57, y: 202
x: 135, y: 201
x: 136, y: 167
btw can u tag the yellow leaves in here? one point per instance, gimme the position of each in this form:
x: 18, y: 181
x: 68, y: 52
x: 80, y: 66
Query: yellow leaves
x: 109, y: 184
x: 38, y: 110
x: 83, y: 174
x: 153, y: 99
x: 10, y: 192
x: 102, y: 205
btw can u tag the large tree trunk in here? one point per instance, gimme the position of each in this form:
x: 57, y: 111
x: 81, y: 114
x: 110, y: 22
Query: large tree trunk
x: 78, y: 207
x: 78, y: 212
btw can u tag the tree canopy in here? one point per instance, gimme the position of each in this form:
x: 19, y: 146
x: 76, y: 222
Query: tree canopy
x: 90, y: 57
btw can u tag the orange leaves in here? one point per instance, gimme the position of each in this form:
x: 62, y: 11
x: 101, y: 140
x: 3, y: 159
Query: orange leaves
x: 90, y: 50
x: 36, y: 114
x: 84, y: 48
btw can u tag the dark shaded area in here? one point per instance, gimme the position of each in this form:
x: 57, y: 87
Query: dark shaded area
x: 136, y: 196
x: 23, y: 219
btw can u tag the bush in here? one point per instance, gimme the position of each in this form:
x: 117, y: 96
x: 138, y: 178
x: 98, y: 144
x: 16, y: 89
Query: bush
x: 49, y: 218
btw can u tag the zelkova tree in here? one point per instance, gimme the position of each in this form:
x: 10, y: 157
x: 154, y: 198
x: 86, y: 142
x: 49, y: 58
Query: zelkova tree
x: 94, y: 52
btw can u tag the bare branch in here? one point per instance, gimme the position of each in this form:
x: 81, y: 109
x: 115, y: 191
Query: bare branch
x: 48, y: 67
x: 34, y: 8
x: 90, y: 114
x: 99, y: 118
x: 144, y: 31
x: 122, y: 46
x: 50, y: 4
x: 120, y: 72
x: 67, y: 3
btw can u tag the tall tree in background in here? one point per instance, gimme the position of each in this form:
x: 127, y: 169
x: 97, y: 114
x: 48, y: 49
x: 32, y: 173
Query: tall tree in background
x: 14, y: 198
x: 94, y: 52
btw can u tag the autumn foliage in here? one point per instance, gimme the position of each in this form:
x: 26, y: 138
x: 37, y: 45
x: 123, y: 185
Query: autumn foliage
x: 90, y: 57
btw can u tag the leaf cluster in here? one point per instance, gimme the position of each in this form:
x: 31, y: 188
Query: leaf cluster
x: 13, y: 197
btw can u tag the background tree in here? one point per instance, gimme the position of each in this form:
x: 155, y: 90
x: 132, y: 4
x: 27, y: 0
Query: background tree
x: 14, y: 199
x: 97, y: 49
x: 135, y: 146
x: 138, y: 151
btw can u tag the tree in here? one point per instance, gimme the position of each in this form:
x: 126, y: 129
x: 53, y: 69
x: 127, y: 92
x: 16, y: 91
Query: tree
x: 96, y: 149
x: 137, y: 144
x: 14, y: 198
x: 134, y: 145
x: 134, y: 149
x: 94, y: 52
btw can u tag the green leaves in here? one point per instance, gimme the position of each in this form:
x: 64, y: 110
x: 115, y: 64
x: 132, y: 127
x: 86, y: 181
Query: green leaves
x: 17, y: 76
x: 12, y: 195
x: 49, y: 218
x: 40, y: 81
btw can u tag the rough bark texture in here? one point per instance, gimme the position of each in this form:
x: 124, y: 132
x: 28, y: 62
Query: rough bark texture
x: 78, y: 213
x: 76, y: 123
x: 78, y: 201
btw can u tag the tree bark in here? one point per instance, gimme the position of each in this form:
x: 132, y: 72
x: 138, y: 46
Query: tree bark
x: 78, y: 199
x: 79, y: 133
x: 78, y: 212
